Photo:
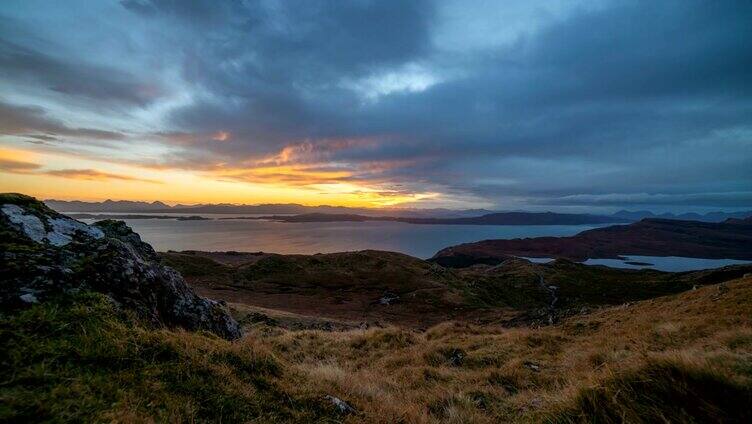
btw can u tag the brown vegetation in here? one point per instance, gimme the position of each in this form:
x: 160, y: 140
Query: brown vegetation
x: 682, y: 358
x: 345, y: 286
x: 369, y: 337
x: 731, y: 239
x: 346, y: 289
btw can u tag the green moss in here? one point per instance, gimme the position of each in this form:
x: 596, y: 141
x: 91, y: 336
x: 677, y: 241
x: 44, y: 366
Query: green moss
x: 197, y: 266
x: 274, y: 266
x: 114, y: 227
x: 12, y: 241
x: 513, y: 289
x: 78, y: 360
x: 33, y: 205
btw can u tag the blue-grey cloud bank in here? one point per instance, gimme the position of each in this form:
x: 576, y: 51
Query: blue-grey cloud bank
x: 503, y: 104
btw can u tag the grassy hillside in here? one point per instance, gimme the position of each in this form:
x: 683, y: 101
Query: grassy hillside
x: 681, y: 358
x: 80, y: 360
x: 347, y: 286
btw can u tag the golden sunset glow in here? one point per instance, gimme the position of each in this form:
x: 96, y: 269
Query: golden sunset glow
x: 66, y: 177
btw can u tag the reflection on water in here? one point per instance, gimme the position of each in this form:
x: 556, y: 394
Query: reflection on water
x: 317, y: 237
x: 538, y: 260
x: 665, y: 263
x: 661, y: 263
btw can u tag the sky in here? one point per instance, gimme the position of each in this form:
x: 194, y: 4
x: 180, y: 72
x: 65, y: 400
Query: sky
x: 539, y: 105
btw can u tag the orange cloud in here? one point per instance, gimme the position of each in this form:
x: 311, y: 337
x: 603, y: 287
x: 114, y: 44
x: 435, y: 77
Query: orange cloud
x: 308, y: 151
x: 17, y: 161
x: 221, y: 136
x: 94, y: 175
x: 298, y: 175
x: 20, y: 162
x: 17, y: 166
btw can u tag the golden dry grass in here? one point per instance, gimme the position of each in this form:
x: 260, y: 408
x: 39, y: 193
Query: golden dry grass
x: 698, y: 338
x: 681, y: 358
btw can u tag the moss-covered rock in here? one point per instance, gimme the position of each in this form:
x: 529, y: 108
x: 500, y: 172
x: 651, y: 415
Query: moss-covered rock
x: 45, y: 254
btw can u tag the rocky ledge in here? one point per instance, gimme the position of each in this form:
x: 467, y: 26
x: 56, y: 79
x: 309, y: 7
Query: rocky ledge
x: 44, y: 254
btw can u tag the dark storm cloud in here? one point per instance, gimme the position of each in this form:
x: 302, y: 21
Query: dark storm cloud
x: 273, y: 73
x: 621, y: 75
x: 26, y: 66
x: 205, y: 11
x: 633, y: 90
x: 336, y: 35
x: 33, y: 122
x: 614, y: 102
x: 725, y: 199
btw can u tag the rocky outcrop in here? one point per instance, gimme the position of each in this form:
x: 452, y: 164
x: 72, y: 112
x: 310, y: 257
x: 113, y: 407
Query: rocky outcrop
x: 341, y: 406
x: 45, y: 254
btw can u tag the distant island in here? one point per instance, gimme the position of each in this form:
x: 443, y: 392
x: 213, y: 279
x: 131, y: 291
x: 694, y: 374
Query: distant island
x: 136, y: 216
x: 731, y: 239
x: 504, y: 218
x: 501, y: 218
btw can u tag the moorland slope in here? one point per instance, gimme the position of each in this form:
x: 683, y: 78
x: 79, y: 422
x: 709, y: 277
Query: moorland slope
x: 96, y: 327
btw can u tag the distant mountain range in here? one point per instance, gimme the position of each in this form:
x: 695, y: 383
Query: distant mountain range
x: 499, y: 218
x: 125, y: 206
x: 413, y: 215
x: 708, y: 217
x: 106, y: 206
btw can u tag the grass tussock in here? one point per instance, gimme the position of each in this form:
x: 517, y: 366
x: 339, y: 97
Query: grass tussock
x: 682, y: 358
x: 663, y: 390
x: 78, y: 360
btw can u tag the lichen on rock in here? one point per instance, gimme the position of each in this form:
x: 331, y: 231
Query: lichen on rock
x: 30, y: 224
x: 44, y: 254
x: 62, y: 229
